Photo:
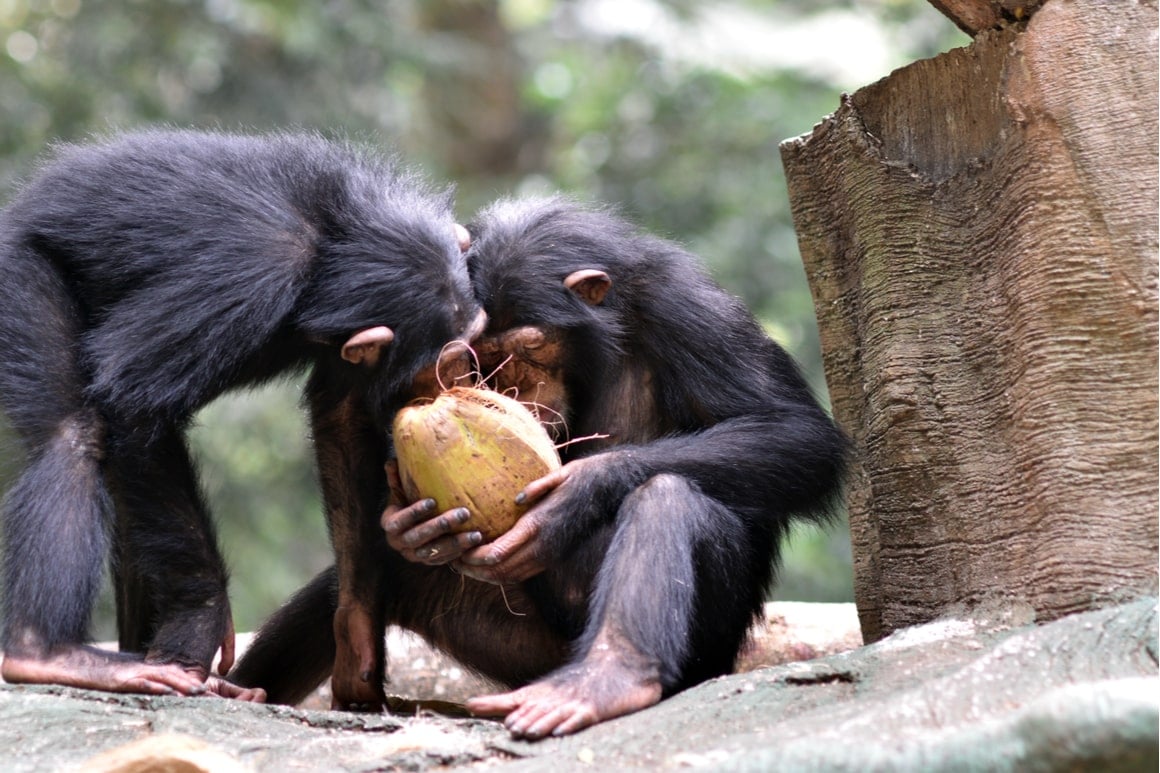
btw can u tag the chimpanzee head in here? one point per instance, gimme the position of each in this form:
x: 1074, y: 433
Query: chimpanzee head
x: 557, y: 280
x: 391, y: 285
x: 553, y: 263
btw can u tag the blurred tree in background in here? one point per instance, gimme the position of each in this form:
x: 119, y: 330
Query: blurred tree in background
x: 670, y: 109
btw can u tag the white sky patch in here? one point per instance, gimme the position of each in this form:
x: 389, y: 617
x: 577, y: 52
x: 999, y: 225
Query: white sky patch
x: 22, y: 46
x: 847, y: 48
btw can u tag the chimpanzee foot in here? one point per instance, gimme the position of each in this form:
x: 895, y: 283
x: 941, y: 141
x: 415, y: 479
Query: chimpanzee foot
x: 356, y: 691
x: 215, y: 685
x: 356, y: 683
x: 94, y: 669
x: 573, y: 698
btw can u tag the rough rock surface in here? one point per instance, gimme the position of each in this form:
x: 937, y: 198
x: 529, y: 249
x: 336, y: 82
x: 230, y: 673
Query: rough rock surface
x: 988, y: 692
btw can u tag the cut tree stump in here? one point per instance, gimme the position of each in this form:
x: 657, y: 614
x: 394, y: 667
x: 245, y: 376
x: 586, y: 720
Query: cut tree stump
x: 980, y: 235
x: 974, y: 16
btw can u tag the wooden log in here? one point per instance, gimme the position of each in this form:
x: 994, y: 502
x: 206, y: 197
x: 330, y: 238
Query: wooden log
x: 980, y: 235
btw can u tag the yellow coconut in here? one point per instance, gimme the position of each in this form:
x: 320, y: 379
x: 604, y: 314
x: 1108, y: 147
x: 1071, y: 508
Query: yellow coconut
x: 472, y: 448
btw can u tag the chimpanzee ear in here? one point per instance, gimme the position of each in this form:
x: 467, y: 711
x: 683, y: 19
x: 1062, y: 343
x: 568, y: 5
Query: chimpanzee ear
x: 463, y: 237
x: 365, y: 345
x: 590, y: 284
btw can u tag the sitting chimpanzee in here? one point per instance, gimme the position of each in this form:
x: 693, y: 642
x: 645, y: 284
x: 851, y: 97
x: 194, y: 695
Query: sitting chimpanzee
x: 144, y: 276
x: 645, y: 559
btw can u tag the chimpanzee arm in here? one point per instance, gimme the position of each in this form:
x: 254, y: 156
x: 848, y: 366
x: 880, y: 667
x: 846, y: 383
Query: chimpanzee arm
x: 351, y: 454
x: 757, y: 464
x: 763, y: 466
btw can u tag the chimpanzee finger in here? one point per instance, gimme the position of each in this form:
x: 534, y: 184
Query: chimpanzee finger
x: 509, y: 544
x: 435, y: 528
x: 518, y: 570
x: 220, y: 687
x: 395, y: 483
x: 445, y: 550
x: 397, y: 521
x: 513, y: 557
x: 161, y: 678
x: 541, y: 487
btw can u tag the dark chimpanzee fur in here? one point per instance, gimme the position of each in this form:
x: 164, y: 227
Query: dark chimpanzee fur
x: 644, y: 561
x: 146, y: 275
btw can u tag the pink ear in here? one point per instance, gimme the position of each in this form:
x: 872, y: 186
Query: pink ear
x: 463, y: 236
x: 590, y: 284
x: 365, y: 345
x: 476, y: 327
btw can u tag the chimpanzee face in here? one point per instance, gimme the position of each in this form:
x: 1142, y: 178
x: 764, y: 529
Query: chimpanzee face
x: 529, y: 364
x: 538, y: 269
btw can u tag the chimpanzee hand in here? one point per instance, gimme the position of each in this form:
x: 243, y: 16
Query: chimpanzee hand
x: 418, y: 534
x: 216, y: 685
x: 512, y: 557
x: 568, y: 501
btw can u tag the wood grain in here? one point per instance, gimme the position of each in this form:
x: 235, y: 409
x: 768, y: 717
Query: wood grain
x: 980, y: 234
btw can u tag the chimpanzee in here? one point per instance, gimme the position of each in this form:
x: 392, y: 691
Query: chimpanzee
x: 145, y: 275
x: 644, y: 560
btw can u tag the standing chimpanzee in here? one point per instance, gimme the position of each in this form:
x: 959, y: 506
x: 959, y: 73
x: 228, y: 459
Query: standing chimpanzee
x: 645, y: 559
x: 143, y: 277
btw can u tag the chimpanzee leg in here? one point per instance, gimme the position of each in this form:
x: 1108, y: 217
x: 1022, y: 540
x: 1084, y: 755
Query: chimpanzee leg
x: 497, y: 632
x: 56, y: 524
x: 649, y: 619
x: 170, y: 566
x: 57, y: 515
x: 351, y: 456
x: 293, y: 651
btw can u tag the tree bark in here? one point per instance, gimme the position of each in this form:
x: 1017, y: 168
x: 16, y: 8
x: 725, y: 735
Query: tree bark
x: 974, y: 16
x: 980, y: 235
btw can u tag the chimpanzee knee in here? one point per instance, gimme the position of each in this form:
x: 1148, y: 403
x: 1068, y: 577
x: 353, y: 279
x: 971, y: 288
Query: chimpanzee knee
x: 669, y: 584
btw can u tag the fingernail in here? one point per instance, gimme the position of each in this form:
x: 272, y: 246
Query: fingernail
x: 428, y: 505
x: 521, y: 498
x: 475, y: 537
x: 462, y: 514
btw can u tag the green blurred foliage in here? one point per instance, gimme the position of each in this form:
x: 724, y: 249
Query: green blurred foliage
x: 670, y: 109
